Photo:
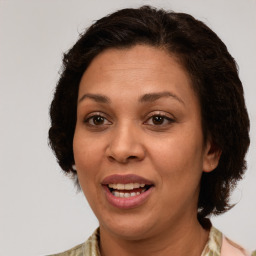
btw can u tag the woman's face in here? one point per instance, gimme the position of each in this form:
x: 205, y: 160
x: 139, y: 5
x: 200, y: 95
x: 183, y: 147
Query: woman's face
x: 138, y: 143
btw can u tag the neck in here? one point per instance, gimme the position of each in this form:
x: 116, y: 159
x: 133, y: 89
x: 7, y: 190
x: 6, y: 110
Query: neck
x: 182, y: 240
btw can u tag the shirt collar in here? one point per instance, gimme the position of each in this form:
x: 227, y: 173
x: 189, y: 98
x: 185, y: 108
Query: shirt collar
x: 212, y: 248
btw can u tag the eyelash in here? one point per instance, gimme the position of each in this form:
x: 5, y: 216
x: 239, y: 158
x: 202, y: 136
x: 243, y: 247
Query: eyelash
x: 91, y: 118
x: 166, y: 120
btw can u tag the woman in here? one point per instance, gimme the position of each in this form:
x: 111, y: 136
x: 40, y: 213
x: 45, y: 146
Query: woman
x: 149, y: 116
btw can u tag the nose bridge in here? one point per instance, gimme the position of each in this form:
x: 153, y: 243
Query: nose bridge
x: 125, y: 143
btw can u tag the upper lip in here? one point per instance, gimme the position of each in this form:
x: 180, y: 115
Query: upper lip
x: 125, y: 179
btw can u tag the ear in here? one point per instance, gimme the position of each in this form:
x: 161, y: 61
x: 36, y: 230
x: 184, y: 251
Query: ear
x: 211, y: 156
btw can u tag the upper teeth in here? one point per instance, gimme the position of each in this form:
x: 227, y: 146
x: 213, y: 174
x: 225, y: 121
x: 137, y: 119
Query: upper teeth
x: 128, y: 186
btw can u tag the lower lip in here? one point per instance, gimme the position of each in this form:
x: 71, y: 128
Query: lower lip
x: 127, y: 202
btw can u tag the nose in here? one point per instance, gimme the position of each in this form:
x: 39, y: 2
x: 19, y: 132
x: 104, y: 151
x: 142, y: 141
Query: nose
x: 125, y: 145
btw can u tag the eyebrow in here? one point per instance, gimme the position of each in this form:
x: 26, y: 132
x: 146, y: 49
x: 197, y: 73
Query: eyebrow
x: 96, y: 97
x: 151, y: 97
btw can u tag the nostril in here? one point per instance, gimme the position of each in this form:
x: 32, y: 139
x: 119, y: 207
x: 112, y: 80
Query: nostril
x: 111, y: 158
x: 132, y: 157
x: 123, y: 160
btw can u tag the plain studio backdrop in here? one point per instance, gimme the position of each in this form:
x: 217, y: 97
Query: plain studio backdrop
x: 40, y: 212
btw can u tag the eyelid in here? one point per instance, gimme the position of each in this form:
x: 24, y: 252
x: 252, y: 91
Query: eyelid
x: 170, y: 118
x: 97, y: 113
x: 161, y: 113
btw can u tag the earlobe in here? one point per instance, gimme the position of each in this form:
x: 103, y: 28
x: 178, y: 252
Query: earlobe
x: 211, y: 157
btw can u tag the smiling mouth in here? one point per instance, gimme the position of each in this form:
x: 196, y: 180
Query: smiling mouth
x: 127, y: 190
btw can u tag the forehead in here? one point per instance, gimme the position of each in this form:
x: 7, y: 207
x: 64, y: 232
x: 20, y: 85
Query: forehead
x: 144, y: 55
x: 140, y: 63
x: 140, y: 69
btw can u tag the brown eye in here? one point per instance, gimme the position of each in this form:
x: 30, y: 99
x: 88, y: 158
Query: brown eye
x: 157, y: 120
x: 98, y: 120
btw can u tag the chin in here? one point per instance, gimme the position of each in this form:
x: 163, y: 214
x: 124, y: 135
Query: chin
x: 129, y: 227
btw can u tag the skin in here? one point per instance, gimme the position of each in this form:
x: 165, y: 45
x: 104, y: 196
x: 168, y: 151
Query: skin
x: 126, y: 139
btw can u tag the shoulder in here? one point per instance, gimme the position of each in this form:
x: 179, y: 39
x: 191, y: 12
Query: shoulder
x: 219, y: 245
x: 231, y: 248
x: 90, y: 247
x: 75, y: 251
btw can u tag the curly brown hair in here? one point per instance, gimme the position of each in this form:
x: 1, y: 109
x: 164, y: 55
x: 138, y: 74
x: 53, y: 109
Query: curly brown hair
x: 211, y: 68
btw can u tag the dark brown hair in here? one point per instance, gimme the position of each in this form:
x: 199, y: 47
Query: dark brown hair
x: 213, y: 73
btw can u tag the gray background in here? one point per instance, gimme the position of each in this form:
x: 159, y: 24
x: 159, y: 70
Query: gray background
x: 40, y: 212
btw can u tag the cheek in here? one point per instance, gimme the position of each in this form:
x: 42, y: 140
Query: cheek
x: 87, y: 150
x: 179, y: 167
x: 87, y: 159
x: 178, y: 158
